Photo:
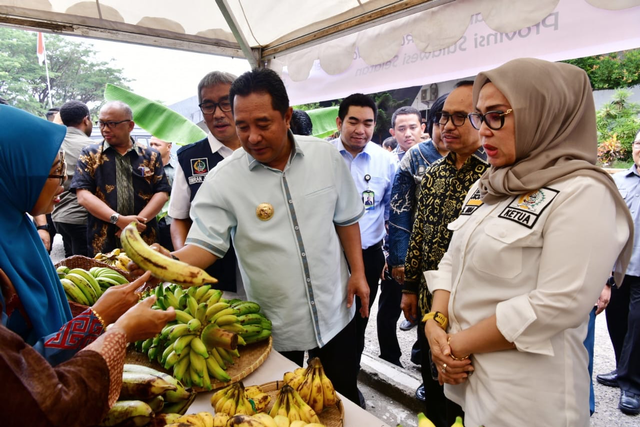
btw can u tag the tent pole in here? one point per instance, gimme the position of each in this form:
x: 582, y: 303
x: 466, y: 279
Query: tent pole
x: 251, y: 55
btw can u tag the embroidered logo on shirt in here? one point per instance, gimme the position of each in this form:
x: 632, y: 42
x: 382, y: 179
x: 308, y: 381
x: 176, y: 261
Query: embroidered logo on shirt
x: 472, y: 204
x: 199, y: 169
x: 527, y: 208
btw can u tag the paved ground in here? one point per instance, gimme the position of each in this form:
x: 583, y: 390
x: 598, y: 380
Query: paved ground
x: 389, y: 389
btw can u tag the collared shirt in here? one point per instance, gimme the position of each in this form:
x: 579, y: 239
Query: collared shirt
x: 628, y: 184
x: 180, y: 200
x: 404, y: 195
x: 378, y: 164
x: 398, y: 154
x: 536, y: 263
x: 96, y: 172
x: 170, y: 169
x: 282, y: 224
x: 68, y: 211
x: 442, y: 192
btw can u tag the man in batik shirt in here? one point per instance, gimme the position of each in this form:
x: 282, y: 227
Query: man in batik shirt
x: 119, y: 182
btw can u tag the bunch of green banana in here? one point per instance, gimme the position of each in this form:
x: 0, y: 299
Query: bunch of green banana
x: 313, y: 385
x: 160, y: 266
x: 85, y: 287
x: 254, y: 326
x: 290, y: 404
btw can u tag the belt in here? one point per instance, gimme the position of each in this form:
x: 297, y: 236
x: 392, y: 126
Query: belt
x: 375, y: 246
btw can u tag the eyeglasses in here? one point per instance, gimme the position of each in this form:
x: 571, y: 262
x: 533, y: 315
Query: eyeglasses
x: 493, y: 119
x: 63, y: 170
x: 109, y: 125
x: 457, y: 119
x: 209, y: 107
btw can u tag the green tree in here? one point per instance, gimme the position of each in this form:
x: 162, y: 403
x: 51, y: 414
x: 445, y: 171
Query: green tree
x: 613, y: 70
x: 387, y: 105
x: 74, y: 72
x: 617, y: 123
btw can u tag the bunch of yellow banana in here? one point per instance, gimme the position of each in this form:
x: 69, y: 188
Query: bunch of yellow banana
x: 232, y: 400
x: 202, y: 342
x: 85, y: 287
x: 146, y: 394
x: 313, y: 385
x: 236, y: 399
x: 265, y: 420
x: 290, y: 404
x: 115, y: 258
x: 160, y: 266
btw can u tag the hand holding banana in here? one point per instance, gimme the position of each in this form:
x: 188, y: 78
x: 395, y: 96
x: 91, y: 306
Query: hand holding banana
x: 116, y: 300
x: 141, y: 321
x: 161, y: 266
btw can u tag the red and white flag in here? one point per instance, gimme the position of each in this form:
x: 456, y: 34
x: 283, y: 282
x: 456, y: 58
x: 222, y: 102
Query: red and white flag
x: 40, y: 49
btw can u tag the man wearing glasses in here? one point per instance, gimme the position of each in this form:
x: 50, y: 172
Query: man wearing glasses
x: 442, y: 191
x: 195, y: 161
x: 119, y: 182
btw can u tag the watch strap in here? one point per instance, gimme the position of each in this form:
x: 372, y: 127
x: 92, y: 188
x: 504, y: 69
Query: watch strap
x: 43, y: 227
x: 440, y: 318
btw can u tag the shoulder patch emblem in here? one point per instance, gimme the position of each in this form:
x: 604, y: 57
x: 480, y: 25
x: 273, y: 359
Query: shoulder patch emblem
x: 525, y: 209
x: 472, y: 204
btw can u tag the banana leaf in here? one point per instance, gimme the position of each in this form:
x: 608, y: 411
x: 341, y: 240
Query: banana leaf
x: 324, y: 121
x: 155, y: 118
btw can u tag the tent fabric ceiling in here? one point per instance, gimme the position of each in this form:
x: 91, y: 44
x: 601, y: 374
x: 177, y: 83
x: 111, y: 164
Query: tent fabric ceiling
x: 333, y: 32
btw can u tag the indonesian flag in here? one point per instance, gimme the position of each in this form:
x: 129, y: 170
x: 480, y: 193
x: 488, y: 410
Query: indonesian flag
x: 40, y: 50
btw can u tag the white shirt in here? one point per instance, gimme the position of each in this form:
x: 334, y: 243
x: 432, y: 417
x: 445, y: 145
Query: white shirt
x: 538, y: 263
x: 377, y: 163
x: 180, y: 201
x: 292, y: 263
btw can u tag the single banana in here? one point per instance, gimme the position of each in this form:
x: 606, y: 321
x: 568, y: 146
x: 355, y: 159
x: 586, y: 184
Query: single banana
x: 201, y: 312
x: 162, y: 267
x: 206, y: 379
x: 84, y: 286
x: 194, y: 325
x: 207, y: 418
x: 216, y: 354
x: 216, y: 371
x: 225, y: 312
x: 246, y: 307
x: 192, y: 305
x: 281, y: 421
x: 156, y: 404
x: 142, y: 386
x: 201, y: 291
x: 182, y: 342
x: 124, y: 410
x: 265, y: 419
x: 214, y: 309
x: 423, y: 421
x: 307, y: 413
x: 181, y: 368
x: 316, y: 400
x: 250, y: 319
x: 183, y: 316
x: 305, y: 388
x: 220, y: 394
x: 198, y: 347
x: 192, y: 420
x: 265, y: 334
x: 89, y: 278
x: 234, y: 327
x: 298, y: 423
x: 178, y: 331
x: 328, y: 391
x: 220, y: 419
x: 458, y: 422
x: 73, y: 292
x: 227, y: 320
x: 196, y: 379
x: 243, y: 420
x: 224, y: 354
x: 216, y: 294
x: 198, y: 364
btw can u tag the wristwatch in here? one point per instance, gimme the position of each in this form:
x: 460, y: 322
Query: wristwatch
x: 43, y: 227
x: 114, y: 218
x: 440, y: 318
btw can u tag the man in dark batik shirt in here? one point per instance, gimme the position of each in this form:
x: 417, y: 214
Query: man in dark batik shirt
x: 119, y: 182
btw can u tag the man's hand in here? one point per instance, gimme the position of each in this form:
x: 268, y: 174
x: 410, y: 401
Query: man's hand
x: 123, y: 221
x: 409, y: 306
x: 358, y: 285
x: 398, y: 274
x: 46, y: 239
x: 603, y: 300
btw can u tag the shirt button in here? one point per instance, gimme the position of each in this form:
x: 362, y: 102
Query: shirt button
x: 304, y: 254
x: 308, y: 279
x: 296, y: 227
x: 313, y: 303
x: 290, y: 201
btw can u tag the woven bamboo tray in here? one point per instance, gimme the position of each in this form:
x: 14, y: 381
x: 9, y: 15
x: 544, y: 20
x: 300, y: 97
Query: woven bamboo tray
x: 330, y: 417
x: 251, y: 357
x: 79, y: 261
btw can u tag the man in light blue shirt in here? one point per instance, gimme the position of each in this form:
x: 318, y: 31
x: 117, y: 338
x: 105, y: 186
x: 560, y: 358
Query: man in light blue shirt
x: 372, y: 169
x: 623, y: 311
x: 292, y: 212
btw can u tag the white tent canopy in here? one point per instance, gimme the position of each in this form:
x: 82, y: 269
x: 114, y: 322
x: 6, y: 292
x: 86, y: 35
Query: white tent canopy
x: 328, y: 48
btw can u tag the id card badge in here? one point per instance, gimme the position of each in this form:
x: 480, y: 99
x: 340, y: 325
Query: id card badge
x: 369, y: 200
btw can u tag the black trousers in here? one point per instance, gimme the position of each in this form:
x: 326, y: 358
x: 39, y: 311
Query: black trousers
x: 623, y: 322
x: 387, y: 321
x: 339, y: 358
x: 373, y: 259
x: 74, y: 237
x: 164, y: 235
x: 440, y: 410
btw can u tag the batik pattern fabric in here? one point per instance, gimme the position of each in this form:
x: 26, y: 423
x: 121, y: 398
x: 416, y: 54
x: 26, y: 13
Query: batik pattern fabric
x: 97, y: 172
x: 442, y: 191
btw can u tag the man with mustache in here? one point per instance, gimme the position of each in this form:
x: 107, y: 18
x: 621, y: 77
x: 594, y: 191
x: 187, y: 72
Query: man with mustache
x: 195, y: 161
x: 442, y: 191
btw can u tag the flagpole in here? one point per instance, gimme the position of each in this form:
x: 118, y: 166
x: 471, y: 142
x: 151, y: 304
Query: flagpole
x: 42, y: 56
x: 46, y: 69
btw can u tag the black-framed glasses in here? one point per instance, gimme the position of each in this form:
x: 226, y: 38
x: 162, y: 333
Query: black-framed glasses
x: 209, y: 107
x: 493, y: 119
x: 62, y: 168
x: 457, y: 119
x: 109, y: 125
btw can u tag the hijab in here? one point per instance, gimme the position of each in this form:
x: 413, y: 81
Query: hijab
x: 555, y: 132
x: 28, y: 147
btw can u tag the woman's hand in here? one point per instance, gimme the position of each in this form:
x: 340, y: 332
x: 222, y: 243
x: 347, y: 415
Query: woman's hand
x: 141, y: 321
x: 118, y: 299
x: 450, y: 371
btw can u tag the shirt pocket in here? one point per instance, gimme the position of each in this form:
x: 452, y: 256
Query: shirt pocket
x: 499, y: 251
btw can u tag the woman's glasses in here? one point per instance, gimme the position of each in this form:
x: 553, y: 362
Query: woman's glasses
x: 493, y: 119
x: 62, y: 168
